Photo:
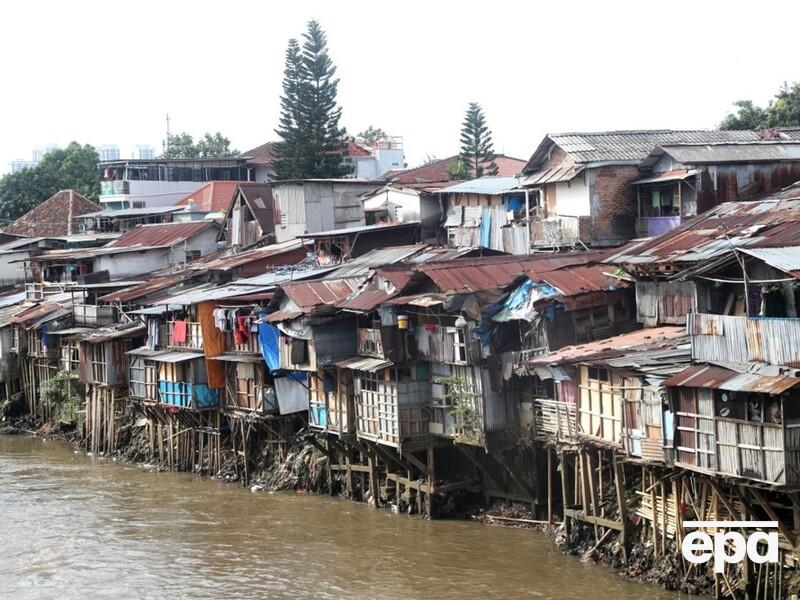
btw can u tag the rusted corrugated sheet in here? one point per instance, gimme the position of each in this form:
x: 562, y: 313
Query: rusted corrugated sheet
x: 365, y: 301
x: 726, y: 338
x: 160, y: 236
x: 309, y: 294
x: 149, y: 287
x: 707, y: 376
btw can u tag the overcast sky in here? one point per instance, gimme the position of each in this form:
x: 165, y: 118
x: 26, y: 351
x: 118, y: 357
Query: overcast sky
x: 106, y: 72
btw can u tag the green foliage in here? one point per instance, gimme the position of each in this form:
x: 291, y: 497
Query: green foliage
x: 462, y: 400
x: 457, y: 171
x: 61, y: 390
x: 311, y: 142
x: 73, y: 167
x: 182, y: 145
x: 782, y: 111
x: 477, y: 149
x: 371, y: 135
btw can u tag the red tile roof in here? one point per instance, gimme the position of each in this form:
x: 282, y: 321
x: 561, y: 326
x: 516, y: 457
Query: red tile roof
x: 436, y: 170
x: 53, y: 217
x: 215, y: 196
x: 260, y: 155
x: 354, y: 149
x: 160, y: 236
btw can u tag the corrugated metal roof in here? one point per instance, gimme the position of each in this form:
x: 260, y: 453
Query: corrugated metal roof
x: 145, y: 351
x: 132, y: 212
x: 492, y: 186
x: 785, y: 258
x: 164, y: 235
x: 376, y: 258
x: 709, y: 376
x: 361, y: 229
x: 233, y: 260
x: 364, y: 363
x: 283, y: 315
x: 763, y: 151
x: 769, y: 223
x: 310, y: 294
x: 627, y: 146
x: 563, y: 172
x: 365, y: 301
x: 156, y: 284
x: 105, y: 334
x: 641, y: 339
x: 175, y: 357
x: 675, y: 175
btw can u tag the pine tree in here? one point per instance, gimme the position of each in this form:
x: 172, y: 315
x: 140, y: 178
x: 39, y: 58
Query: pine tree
x: 312, y: 143
x: 477, y: 150
x: 287, y: 151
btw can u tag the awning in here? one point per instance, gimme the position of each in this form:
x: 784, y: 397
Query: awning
x: 364, y: 363
x: 144, y: 351
x: 554, y: 373
x: 70, y: 331
x: 719, y: 378
x: 283, y: 315
x: 242, y: 358
x: 677, y: 175
x: 176, y: 357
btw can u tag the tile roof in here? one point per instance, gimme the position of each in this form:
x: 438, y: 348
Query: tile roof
x: 214, y: 196
x: 54, y: 216
x: 436, y: 170
x: 260, y: 155
x: 163, y: 235
x: 626, y: 146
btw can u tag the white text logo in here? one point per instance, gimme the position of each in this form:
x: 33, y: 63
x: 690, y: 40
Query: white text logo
x: 698, y: 547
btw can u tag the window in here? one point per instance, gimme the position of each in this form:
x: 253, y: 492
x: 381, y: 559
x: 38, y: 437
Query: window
x: 598, y: 374
x: 193, y: 255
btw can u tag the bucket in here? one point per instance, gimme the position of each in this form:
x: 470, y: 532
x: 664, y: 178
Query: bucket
x: 402, y: 321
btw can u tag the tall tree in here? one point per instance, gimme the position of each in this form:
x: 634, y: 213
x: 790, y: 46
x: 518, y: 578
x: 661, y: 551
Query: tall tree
x: 477, y: 149
x: 747, y: 116
x: 782, y: 111
x: 73, y: 167
x: 287, y: 150
x: 312, y: 142
x: 182, y: 145
x: 372, y: 135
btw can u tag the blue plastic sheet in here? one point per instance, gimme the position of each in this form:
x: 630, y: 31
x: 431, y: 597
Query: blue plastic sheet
x: 268, y: 335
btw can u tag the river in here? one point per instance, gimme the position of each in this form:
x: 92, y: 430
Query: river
x: 77, y: 527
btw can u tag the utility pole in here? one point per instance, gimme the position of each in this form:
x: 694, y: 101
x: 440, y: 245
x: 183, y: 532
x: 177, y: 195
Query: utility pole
x: 166, y: 143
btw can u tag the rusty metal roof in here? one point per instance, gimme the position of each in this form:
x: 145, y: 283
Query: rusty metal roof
x: 365, y: 301
x: 156, y: 284
x: 310, y: 294
x: 162, y: 235
x: 105, y: 334
x: 233, y: 260
x: 713, y: 377
x: 641, y: 339
x: 768, y: 223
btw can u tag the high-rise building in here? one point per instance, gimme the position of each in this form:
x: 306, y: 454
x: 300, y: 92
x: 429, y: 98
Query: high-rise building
x: 144, y: 152
x: 108, y: 152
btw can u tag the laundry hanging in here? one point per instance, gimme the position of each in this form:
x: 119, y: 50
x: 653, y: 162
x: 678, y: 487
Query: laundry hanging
x: 179, y: 332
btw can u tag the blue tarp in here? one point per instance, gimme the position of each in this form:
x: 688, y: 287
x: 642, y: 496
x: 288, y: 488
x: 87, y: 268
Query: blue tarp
x: 268, y: 335
x: 515, y: 203
x: 486, y: 227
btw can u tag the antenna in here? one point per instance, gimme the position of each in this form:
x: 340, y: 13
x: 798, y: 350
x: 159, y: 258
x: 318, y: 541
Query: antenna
x: 166, y: 144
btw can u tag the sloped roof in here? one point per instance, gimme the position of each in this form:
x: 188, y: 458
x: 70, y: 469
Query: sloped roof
x: 54, y: 216
x: 164, y: 235
x: 772, y: 222
x: 483, y: 185
x: 626, y: 146
x: 258, y: 197
x: 310, y: 294
x: 695, y: 154
x: 214, y: 196
x: 436, y: 170
x: 260, y: 155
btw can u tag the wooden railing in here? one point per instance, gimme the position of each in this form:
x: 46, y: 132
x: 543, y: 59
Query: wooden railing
x: 552, y: 418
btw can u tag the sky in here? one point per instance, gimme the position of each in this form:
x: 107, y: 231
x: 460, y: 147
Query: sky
x: 108, y: 73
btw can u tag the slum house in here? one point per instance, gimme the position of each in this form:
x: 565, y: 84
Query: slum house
x: 210, y: 201
x: 718, y: 262
x: 14, y: 255
x: 490, y: 212
x: 124, y: 219
x: 338, y: 245
x: 37, y: 349
x: 11, y: 303
x: 403, y: 203
x: 684, y: 180
x: 102, y: 365
x: 145, y: 249
x: 421, y: 378
x: 582, y: 182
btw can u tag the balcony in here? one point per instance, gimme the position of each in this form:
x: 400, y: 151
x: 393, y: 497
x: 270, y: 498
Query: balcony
x: 187, y: 395
x: 554, y: 420
x: 370, y: 343
x: 651, y: 226
x: 249, y: 345
x: 41, y: 291
x: 192, y: 340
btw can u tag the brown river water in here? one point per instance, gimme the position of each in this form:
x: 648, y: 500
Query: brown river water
x: 76, y: 527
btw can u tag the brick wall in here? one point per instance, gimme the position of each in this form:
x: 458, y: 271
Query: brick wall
x: 613, y: 204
